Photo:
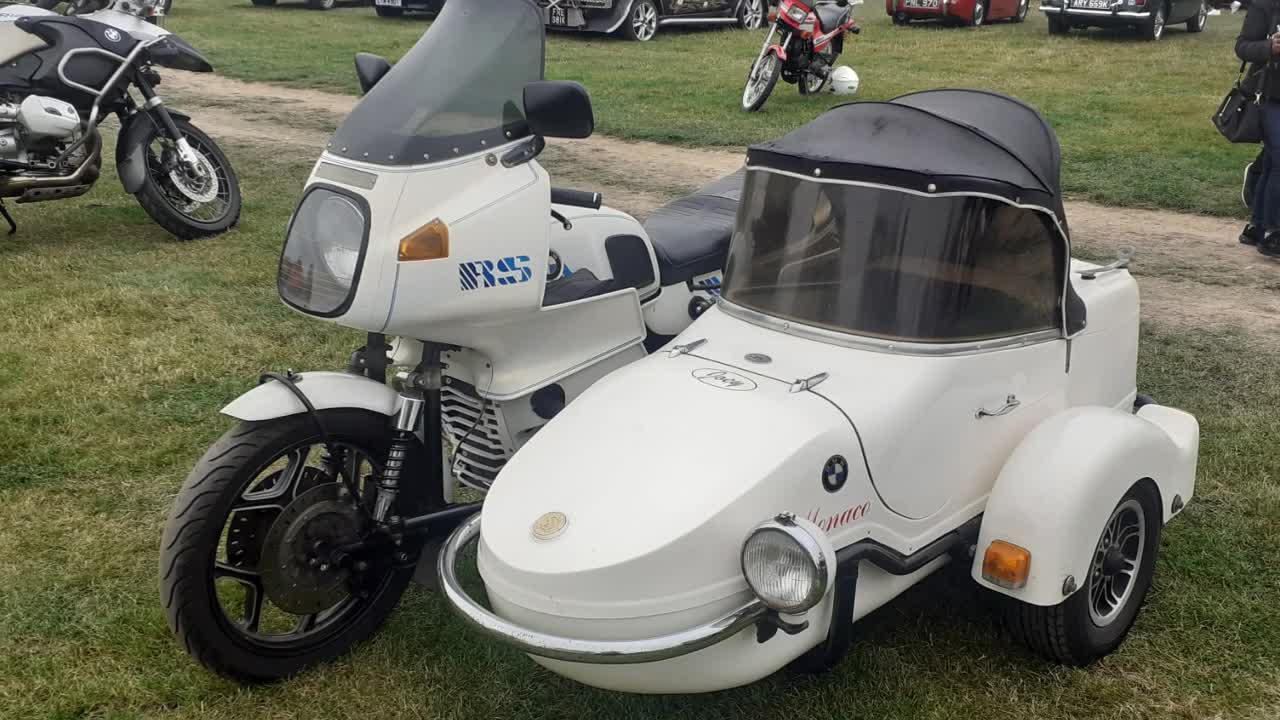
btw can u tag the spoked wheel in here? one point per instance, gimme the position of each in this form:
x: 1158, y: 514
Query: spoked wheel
x: 751, y: 16
x: 642, y: 23
x: 189, y: 202
x: 763, y: 76
x: 253, y: 577
x: 1095, y: 618
x: 812, y: 83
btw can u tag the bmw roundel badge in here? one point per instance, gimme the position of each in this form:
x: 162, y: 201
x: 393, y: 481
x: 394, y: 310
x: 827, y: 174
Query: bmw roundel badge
x: 111, y: 34
x: 835, y: 473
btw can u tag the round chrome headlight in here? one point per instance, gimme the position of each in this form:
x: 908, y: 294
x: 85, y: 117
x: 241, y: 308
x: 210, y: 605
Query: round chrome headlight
x: 784, y: 565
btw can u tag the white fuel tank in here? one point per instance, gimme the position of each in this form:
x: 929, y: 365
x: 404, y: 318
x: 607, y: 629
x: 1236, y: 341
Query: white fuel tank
x: 48, y: 117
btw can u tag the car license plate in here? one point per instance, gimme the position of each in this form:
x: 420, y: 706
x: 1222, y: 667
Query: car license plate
x: 1092, y: 4
x: 928, y: 4
x: 387, y: 3
x: 558, y: 16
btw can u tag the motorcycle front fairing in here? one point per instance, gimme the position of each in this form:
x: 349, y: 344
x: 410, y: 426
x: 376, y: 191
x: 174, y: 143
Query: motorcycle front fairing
x: 439, y: 153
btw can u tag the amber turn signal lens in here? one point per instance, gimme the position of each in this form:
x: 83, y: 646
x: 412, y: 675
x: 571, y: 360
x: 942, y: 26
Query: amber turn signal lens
x: 1006, y: 565
x: 429, y: 242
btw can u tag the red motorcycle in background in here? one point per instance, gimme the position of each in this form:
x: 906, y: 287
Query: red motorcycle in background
x: 811, y: 38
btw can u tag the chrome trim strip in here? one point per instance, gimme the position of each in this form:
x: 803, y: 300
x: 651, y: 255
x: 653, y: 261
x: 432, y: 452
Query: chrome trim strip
x: 1057, y: 222
x: 597, y: 652
x: 863, y: 342
x: 696, y: 21
x: 1146, y: 15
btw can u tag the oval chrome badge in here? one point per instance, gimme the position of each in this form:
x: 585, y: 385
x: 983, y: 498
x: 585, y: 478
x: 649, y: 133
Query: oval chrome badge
x: 724, y: 379
x: 550, y: 525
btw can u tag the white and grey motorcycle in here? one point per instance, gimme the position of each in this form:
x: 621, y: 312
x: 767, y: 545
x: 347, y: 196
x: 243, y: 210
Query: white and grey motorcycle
x: 428, y: 218
x: 64, y: 74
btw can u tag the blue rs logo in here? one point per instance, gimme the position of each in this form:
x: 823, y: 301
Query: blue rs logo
x: 479, y: 274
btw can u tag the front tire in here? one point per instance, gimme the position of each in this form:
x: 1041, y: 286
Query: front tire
x: 760, y: 81
x: 214, y: 583
x: 321, y: 4
x: 751, y: 15
x: 189, y: 205
x: 1154, y: 30
x: 979, y: 14
x: 642, y: 24
x: 1197, y: 23
x: 1058, y: 26
x: 1023, y: 7
x: 264, y: 3
x: 1095, y: 619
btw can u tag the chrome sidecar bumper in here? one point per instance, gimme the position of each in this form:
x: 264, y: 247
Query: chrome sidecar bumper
x: 599, y: 652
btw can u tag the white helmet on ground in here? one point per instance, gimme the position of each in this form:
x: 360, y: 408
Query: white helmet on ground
x: 844, y: 81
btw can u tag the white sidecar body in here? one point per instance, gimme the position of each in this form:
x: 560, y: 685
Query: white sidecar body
x: 905, y: 370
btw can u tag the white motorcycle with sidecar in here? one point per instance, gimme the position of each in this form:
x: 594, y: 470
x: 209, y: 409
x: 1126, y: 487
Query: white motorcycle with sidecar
x: 905, y: 368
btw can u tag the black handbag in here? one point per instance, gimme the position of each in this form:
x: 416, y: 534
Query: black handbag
x: 1239, y: 117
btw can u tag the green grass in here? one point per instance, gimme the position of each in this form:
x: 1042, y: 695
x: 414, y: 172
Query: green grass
x: 118, y: 346
x: 1133, y: 116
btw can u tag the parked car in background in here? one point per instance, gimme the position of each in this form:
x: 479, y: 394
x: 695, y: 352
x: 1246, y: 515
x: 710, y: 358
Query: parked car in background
x: 396, y: 8
x: 313, y: 4
x: 967, y: 12
x: 1149, y: 17
x: 640, y: 19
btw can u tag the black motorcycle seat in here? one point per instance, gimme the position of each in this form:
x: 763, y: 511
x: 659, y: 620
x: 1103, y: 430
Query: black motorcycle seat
x: 691, y: 235
x: 830, y: 16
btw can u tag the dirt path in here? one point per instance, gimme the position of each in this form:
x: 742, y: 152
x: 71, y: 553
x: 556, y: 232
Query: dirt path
x: 1191, y: 270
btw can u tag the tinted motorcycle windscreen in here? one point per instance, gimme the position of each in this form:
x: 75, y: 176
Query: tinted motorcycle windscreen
x: 888, y: 264
x: 458, y: 91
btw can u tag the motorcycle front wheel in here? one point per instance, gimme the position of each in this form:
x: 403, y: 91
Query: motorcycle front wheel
x: 189, y: 204
x: 250, y: 576
x: 760, y: 81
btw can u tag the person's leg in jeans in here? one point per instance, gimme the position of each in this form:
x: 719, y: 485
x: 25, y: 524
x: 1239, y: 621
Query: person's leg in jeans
x: 1266, y: 202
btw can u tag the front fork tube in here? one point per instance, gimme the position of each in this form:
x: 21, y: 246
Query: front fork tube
x: 153, y: 104
x: 773, y: 30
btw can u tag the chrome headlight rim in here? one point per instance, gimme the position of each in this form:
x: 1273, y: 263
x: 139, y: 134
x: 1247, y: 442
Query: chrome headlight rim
x: 362, y: 205
x: 786, y: 524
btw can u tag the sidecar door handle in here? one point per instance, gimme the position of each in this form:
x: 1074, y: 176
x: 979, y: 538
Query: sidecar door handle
x: 1011, y: 403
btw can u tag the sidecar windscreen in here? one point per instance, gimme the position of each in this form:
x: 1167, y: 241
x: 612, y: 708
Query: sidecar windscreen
x: 894, y: 265
x: 458, y: 91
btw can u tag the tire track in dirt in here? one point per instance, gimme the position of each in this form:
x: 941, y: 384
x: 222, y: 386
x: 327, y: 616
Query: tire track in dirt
x: 1192, y: 272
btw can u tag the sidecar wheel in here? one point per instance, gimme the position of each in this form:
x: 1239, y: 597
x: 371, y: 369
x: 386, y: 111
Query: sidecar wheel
x: 227, y: 599
x: 1094, y: 620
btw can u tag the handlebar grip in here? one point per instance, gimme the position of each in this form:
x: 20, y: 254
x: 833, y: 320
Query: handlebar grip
x: 576, y: 198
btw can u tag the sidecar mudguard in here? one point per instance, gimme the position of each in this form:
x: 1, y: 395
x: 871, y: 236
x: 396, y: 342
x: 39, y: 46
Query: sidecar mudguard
x: 131, y: 148
x: 1058, y: 488
x: 325, y: 390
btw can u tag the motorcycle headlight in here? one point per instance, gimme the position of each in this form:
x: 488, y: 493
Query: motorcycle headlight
x: 797, y: 13
x: 323, y: 252
x: 784, y: 565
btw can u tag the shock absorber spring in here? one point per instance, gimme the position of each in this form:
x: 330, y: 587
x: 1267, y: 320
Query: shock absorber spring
x: 389, y: 483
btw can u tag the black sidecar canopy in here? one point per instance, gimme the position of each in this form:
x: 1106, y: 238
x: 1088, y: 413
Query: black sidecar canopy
x: 936, y: 141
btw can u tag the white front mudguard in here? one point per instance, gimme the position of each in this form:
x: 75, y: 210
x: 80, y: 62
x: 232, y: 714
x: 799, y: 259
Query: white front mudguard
x: 1058, y: 488
x: 325, y: 390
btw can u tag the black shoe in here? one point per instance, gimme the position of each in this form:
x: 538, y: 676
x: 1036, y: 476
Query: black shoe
x: 1251, y: 235
x: 1270, y: 245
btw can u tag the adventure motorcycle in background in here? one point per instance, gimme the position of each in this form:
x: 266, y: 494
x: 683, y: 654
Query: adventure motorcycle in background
x: 812, y: 37
x: 63, y: 73
x: 427, y: 217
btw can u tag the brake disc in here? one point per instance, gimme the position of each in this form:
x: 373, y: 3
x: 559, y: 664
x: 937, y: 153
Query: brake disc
x: 298, y: 571
x: 201, y: 189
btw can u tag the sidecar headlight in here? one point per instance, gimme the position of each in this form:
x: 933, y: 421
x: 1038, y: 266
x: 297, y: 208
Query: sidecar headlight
x: 784, y: 565
x: 324, y: 252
